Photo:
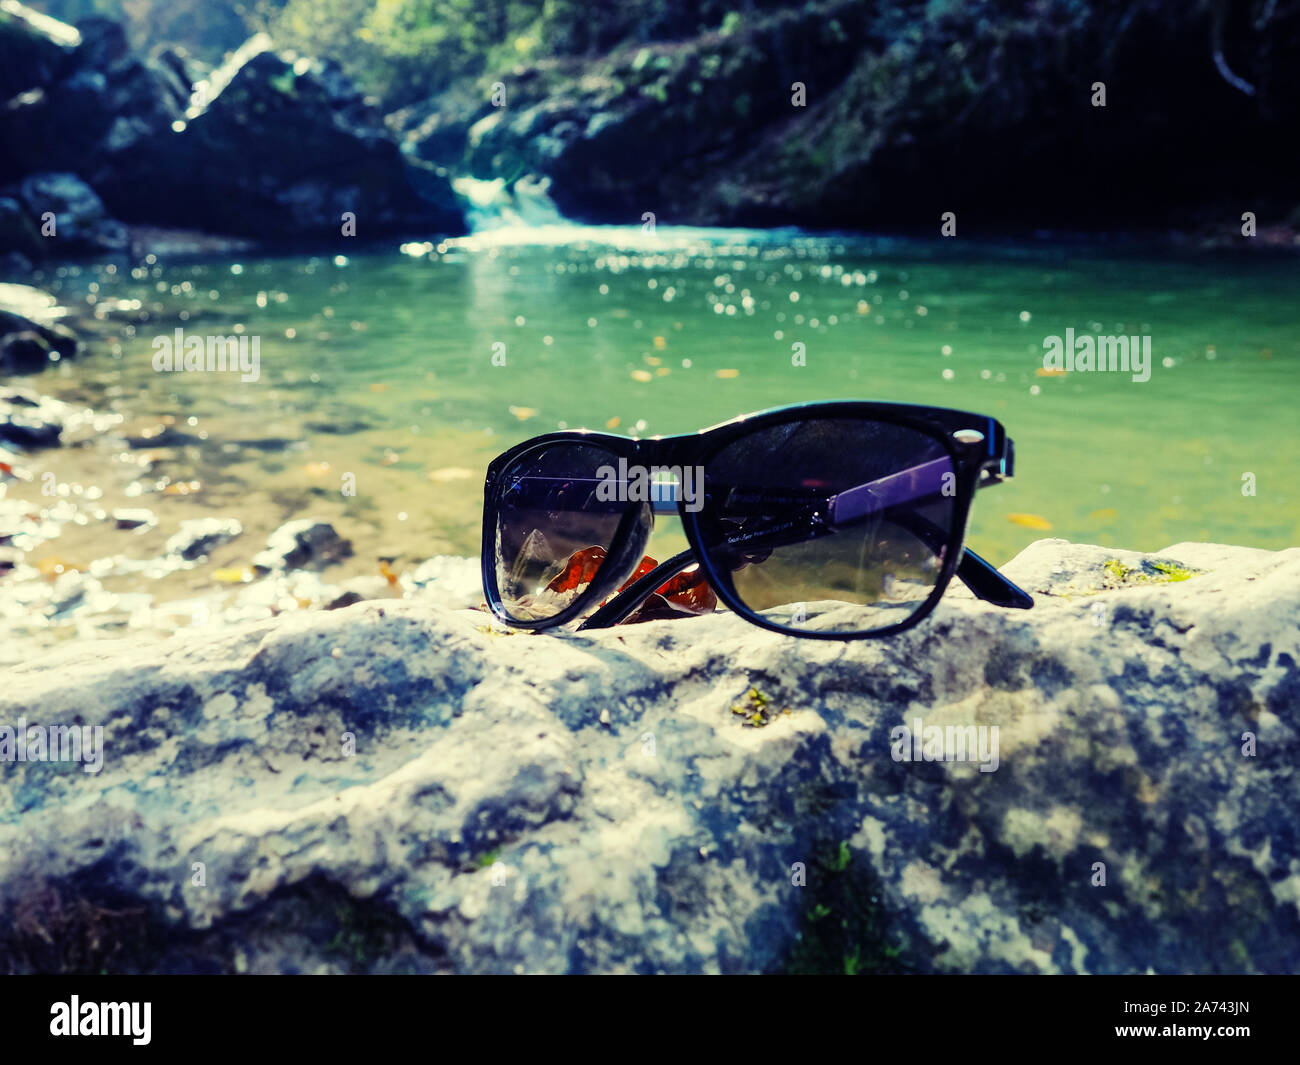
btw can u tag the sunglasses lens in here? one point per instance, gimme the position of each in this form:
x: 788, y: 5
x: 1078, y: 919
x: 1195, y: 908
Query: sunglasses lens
x: 554, y: 531
x: 831, y: 525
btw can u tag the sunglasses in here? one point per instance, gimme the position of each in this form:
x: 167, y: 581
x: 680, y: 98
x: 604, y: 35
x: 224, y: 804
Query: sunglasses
x: 837, y: 520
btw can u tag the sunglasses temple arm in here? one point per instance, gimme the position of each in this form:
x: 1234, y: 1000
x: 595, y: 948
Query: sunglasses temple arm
x: 987, y: 583
x: 908, y: 485
x: 979, y: 575
x: 636, y: 593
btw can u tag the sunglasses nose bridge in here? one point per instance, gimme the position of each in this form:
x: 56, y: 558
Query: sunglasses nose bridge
x: 672, y: 481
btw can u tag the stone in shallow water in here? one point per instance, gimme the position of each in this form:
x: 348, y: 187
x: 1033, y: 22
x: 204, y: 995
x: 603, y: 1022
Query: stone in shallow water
x: 134, y: 518
x: 306, y: 542
x: 198, y: 537
x: 30, y: 421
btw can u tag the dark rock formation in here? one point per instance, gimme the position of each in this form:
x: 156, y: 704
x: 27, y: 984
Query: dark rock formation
x: 872, y: 115
x: 31, y: 337
x: 274, y: 147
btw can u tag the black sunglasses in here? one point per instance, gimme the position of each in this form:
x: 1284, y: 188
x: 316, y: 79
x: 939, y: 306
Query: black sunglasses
x: 831, y: 520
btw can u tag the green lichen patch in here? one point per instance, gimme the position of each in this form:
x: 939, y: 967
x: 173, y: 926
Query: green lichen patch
x: 756, y: 709
x: 1117, y: 574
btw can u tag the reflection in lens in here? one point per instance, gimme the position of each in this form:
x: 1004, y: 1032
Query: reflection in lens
x: 553, y: 534
x: 831, y: 525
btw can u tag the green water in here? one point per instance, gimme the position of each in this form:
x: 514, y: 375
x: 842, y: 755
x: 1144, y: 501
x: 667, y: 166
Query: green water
x: 382, y: 366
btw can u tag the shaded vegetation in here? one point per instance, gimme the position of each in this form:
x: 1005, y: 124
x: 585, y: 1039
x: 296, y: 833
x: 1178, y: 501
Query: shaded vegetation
x: 845, y: 929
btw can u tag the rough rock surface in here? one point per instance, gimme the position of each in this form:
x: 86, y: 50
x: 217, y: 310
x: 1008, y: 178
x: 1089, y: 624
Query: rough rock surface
x: 621, y: 802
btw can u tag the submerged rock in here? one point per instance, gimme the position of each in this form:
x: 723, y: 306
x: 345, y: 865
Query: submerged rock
x: 680, y: 796
x: 29, y: 420
x: 139, y: 519
x: 30, y: 335
x: 302, y: 543
x: 198, y: 537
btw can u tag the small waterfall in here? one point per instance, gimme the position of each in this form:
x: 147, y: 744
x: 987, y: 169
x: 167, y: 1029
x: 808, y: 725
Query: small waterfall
x: 492, y: 205
x: 501, y: 214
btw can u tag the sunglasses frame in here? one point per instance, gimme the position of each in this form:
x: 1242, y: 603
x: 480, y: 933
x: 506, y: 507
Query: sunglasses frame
x: 981, y: 454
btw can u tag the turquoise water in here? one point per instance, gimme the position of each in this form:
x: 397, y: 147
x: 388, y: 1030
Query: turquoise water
x: 382, y: 366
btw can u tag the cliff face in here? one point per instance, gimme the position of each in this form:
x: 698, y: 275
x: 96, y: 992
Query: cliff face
x: 398, y: 786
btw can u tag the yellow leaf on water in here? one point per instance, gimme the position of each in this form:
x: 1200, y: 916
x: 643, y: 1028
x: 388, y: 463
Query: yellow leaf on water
x: 614, y: 422
x: 316, y: 469
x: 1105, y: 514
x: 52, y: 567
x: 1029, y: 521
x: 181, y: 488
x: 450, y: 473
x: 1044, y: 371
x: 727, y: 373
x: 660, y: 343
x: 663, y: 371
x: 523, y: 413
x: 378, y: 386
x: 642, y: 375
x: 234, y: 575
x: 652, y: 360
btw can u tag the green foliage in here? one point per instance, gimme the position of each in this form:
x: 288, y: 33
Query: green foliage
x: 402, y: 50
x: 845, y: 929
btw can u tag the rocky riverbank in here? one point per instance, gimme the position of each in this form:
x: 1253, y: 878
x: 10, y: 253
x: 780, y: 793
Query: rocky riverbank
x: 401, y: 787
x: 116, y: 519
